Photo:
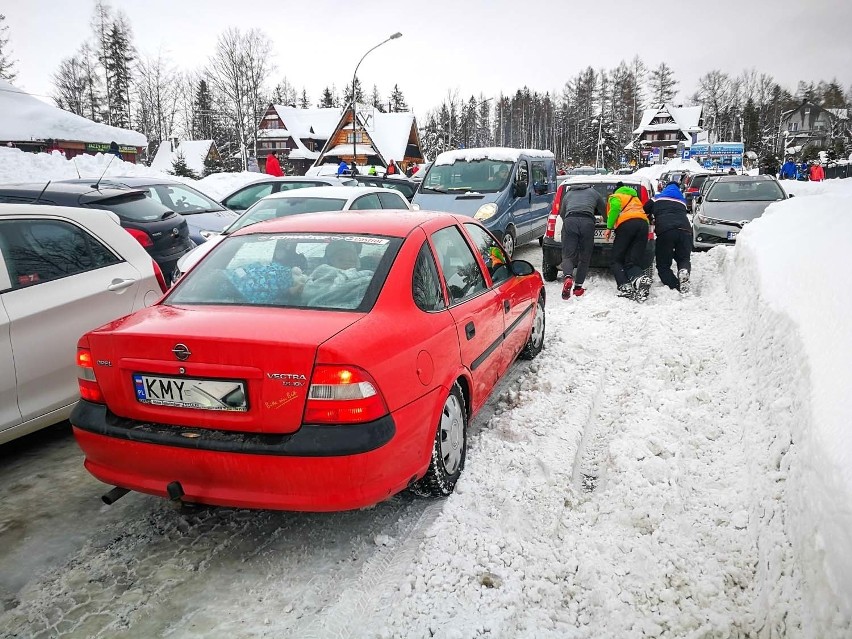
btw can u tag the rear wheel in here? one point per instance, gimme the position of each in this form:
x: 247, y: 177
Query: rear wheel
x: 509, y: 241
x: 536, y: 341
x: 449, y: 448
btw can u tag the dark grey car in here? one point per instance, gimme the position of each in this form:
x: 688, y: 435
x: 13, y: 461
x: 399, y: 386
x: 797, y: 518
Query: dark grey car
x: 161, y: 232
x: 728, y: 204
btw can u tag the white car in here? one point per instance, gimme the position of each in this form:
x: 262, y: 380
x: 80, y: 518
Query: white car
x: 243, y: 197
x: 293, y: 202
x: 63, y: 272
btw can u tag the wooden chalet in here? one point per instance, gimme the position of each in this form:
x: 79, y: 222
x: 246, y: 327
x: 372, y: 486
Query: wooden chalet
x: 297, y: 134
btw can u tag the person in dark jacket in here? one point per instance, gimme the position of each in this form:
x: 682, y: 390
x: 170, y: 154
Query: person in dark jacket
x: 668, y: 212
x: 580, y: 204
x: 113, y: 149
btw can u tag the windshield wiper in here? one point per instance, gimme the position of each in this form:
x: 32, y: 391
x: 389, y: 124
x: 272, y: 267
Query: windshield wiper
x: 460, y: 189
x: 436, y: 189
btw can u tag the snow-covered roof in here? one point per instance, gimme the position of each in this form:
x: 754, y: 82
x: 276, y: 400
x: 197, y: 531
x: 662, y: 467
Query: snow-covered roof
x: 193, y: 151
x: 491, y: 153
x: 273, y: 133
x: 685, y: 118
x: 24, y: 118
x: 346, y: 149
x: 303, y: 154
x: 840, y: 114
x: 307, y: 124
x: 390, y: 133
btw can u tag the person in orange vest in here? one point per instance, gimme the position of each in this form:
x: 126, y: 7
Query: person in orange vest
x: 817, y: 173
x: 392, y: 169
x: 630, y: 222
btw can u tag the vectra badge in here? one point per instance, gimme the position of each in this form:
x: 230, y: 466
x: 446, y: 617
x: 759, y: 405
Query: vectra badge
x: 182, y: 352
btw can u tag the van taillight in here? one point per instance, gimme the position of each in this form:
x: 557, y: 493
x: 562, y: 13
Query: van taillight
x: 343, y: 395
x: 142, y: 237
x: 550, y: 231
x: 158, y: 273
x: 89, y: 389
x: 557, y: 201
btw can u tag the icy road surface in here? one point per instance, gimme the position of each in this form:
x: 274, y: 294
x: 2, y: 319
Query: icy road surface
x: 627, y: 483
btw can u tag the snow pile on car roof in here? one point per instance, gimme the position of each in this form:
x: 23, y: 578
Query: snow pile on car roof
x: 497, y: 153
x: 654, y: 171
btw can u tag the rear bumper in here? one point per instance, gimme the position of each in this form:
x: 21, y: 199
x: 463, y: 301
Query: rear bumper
x: 601, y: 255
x: 318, y: 468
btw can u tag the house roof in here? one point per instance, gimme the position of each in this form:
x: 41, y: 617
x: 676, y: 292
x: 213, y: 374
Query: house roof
x: 193, y: 151
x: 685, y: 118
x: 389, y: 133
x: 27, y: 118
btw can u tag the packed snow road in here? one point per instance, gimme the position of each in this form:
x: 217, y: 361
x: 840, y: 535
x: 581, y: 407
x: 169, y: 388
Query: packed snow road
x: 625, y: 484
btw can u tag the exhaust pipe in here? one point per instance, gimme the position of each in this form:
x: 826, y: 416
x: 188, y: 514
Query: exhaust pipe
x: 114, y: 495
x: 175, y: 491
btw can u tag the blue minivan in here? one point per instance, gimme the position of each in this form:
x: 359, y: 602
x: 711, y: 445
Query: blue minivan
x: 509, y: 190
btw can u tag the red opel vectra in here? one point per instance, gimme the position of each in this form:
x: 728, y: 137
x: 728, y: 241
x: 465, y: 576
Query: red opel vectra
x: 319, y: 362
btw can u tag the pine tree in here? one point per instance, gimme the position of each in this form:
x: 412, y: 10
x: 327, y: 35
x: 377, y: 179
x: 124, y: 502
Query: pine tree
x: 397, y: 100
x: 284, y: 93
x: 376, y: 100
x: 180, y: 167
x: 212, y: 164
x: 359, y: 94
x: 118, y: 59
x: 101, y: 23
x: 202, y: 113
x: 7, y: 63
x: 832, y: 97
x: 327, y: 99
x: 663, y: 85
x: 751, y: 127
x: 304, y: 101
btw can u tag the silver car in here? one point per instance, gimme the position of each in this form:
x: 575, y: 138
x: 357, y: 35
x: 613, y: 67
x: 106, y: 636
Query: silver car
x: 730, y: 203
x: 63, y: 272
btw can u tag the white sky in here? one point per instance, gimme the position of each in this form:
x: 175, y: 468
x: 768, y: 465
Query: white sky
x: 469, y: 46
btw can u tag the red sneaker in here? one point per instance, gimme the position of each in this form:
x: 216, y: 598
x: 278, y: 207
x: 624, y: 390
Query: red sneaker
x: 578, y: 291
x: 566, y: 287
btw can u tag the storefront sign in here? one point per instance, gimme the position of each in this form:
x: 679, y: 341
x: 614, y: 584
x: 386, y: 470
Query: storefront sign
x: 96, y: 147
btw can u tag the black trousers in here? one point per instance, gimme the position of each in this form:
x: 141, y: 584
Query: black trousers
x: 628, y: 250
x: 578, y: 242
x: 674, y: 244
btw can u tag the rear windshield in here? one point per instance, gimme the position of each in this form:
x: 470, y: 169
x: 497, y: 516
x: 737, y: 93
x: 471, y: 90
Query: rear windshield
x: 757, y: 191
x: 134, y: 207
x: 272, y: 208
x: 483, y: 176
x: 322, y: 271
x: 605, y: 189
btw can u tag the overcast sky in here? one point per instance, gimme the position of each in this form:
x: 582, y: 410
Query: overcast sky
x: 465, y: 45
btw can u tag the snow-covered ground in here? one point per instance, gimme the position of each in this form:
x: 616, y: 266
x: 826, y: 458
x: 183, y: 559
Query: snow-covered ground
x: 675, y: 469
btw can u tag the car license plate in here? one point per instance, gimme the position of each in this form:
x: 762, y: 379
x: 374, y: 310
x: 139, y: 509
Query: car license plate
x: 599, y: 233
x: 184, y: 392
x: 732, y: 235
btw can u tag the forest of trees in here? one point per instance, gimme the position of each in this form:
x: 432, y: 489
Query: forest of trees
x: 107, y: 80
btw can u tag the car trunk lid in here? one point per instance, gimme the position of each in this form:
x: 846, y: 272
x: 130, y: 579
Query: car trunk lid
x: 152, y: 364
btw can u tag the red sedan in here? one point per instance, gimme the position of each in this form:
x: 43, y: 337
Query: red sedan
x: 317, y: 362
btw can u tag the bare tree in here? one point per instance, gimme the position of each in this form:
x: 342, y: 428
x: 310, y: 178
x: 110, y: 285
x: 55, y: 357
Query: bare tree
x: 238, y: 71
x: 158, y: 99
x: 70, y: 85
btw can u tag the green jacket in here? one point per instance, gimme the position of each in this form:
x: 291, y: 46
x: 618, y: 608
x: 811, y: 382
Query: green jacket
x: 624, y: 204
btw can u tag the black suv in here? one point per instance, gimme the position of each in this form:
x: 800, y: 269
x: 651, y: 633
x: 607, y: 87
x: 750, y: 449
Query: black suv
x: 163, y: 233
x: 404, y: 185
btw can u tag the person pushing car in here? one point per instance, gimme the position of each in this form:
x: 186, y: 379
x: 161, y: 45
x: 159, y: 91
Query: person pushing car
x: 630, y: 222
x: 668, y: 212
x: 580, y: 204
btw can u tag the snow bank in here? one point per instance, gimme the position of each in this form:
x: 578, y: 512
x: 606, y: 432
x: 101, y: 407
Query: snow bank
x: 784, y: 275
x: 20, y: 166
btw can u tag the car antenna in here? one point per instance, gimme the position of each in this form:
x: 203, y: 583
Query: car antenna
x: 42, y: 192
x: 106, y: 168
x: 76, y: 168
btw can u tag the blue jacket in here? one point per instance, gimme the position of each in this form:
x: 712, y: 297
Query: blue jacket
x: 788, y: 169
x: 667, y: 210
x: 342, y: 168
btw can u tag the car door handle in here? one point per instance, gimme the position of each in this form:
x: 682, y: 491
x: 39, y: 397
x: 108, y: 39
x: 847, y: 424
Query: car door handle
x: 119, y: 284
x: 470, y: 330
x: 506, y: 306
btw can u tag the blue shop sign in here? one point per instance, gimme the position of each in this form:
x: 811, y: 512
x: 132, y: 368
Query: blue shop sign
x: 732, y: 148
x: 699, y: 150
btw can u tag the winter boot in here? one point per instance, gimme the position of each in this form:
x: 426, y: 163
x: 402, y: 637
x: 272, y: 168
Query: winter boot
x: 578, y: 291
x: 627, y: 290
x: 567, y: 286
x: 642, y: 288
x: 683, y: 281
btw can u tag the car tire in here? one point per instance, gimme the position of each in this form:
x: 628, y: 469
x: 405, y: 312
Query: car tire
x: 535, y: 343
x: 549, y: 273
x: 449, y: 448
x: 509, y: 241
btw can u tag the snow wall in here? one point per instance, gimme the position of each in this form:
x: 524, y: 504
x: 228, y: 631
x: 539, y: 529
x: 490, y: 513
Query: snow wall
x: 787, y: 275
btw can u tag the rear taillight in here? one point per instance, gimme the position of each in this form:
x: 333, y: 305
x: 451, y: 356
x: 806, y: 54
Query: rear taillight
x: 142, y: 237
x: 158, y: 273
x: 557, y: 201
x: 643, y: 194
x: 343, y: 395
x: 550, y: 231
x: 89, y: 389
x: 692, y: 189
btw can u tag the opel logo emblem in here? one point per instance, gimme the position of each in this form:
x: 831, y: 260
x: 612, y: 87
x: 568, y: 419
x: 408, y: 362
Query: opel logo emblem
x: 175, y: 232
x: 181, y: 351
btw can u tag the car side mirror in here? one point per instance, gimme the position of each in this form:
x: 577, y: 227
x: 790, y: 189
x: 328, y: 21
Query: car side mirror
x: 521, y: 267
x: 790, y: 195
x: 698, y: 198
x: 520, y: 189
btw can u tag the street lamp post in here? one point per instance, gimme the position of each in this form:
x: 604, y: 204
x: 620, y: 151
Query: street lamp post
x: 600, y: 132
x: 354, y: 75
